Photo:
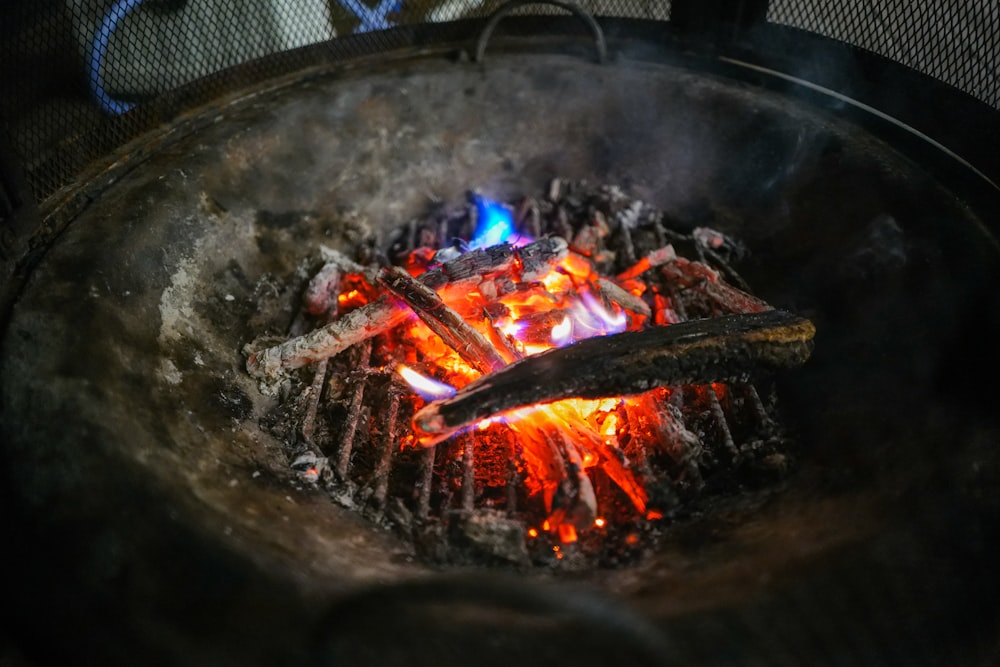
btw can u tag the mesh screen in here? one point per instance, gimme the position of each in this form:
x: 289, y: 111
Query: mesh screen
x: 77, y: 72
x: 956, y: 41
x: 78, y: 75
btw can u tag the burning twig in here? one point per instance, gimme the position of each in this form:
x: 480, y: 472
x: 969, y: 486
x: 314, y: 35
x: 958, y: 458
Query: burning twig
x: 471, y: 345
x: 622, y: 297
x: 503, y: 343
x: 694, y: 352
x: 550, y: 465
x: 689, y: 274
x: 656, y: 258
x: 384, y: 313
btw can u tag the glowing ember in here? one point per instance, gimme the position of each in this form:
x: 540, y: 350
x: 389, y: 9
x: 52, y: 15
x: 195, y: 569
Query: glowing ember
x: 561, y: 443
x: 552, y: 479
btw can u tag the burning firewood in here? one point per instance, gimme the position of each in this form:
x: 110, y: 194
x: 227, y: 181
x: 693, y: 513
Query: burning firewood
x: 695, y: 352
x: 583, y: 398
x: 385, y: 313
x: 471, y: 345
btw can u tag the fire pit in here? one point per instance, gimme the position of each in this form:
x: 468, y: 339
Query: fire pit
x: 148, y: 503
x: 554, y: 457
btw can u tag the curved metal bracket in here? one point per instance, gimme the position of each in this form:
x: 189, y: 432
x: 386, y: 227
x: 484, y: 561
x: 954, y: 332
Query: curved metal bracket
x: 572, y: 7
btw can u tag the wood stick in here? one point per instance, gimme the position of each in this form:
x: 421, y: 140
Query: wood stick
x: 695, y: 352
x: 385, y: 313
x: 610, y: 456
x: 656, y: 258
x: 707, y: 281
x: 503, y: 343
x: 357, y: 326
x: 619, y: 295
x: 457, y: 334
x: 320, y: 297
x: 727, y: 269
x: 625, y: 241
x: 345, y: 263
x: 536, y: 259
x: 757, y: 405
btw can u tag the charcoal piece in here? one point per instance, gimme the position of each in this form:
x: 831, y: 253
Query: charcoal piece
x: 694, y: 352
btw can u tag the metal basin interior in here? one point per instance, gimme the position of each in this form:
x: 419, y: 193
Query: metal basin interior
x: 151, y: 507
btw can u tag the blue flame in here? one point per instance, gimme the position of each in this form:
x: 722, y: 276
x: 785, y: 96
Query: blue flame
x: 427, y: 387
x: 495, y: 226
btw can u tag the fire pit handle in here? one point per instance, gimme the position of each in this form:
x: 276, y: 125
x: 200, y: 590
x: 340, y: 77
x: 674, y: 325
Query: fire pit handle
x: 508, y: 7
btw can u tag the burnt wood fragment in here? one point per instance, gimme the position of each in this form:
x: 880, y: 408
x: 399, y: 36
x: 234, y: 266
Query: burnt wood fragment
x: 385, y: 313
x: 694, y: 352
x: 472, y: 346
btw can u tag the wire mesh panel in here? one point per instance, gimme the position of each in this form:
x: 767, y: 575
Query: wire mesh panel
x: 79, y: 78
x: 78, y: 73
x: 955, y: 41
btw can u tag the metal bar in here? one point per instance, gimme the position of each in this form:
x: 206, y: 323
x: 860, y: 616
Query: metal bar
x: 381, y: 476
x: 312, y: 406
x: 514, y: 462
x: 759, y: 411
x: 468, y: 473
x: 425, y: 482
x: 329, y: 290
x: 720, y: 421
x: 459, y: 335
x: 353, y: 412
x: 508, y: 7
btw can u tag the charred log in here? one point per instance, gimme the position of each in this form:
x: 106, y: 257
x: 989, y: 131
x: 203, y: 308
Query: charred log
x: 695, y: 352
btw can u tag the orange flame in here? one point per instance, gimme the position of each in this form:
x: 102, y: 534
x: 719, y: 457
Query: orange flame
x: 576, y: 454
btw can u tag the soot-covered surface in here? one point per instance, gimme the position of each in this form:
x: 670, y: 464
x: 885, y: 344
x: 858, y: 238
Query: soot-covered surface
x: 148, y: 506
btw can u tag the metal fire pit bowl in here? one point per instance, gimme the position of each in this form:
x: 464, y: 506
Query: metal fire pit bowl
x: 152, y: 520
